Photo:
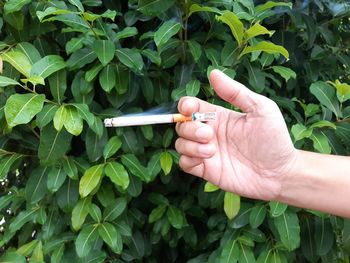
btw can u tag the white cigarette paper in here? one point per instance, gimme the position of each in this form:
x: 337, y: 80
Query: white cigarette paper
x: 136, y: 120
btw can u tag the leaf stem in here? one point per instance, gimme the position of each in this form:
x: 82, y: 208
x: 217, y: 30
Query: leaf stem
x: 34, y: 132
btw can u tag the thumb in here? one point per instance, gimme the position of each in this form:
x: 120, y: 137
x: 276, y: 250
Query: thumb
x: 234, y: 92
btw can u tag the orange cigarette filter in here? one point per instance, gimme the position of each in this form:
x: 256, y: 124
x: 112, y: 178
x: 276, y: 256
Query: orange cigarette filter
x: 181, y: 118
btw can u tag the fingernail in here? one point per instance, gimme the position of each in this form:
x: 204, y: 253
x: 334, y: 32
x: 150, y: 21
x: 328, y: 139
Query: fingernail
x: 206, y: 149
x: 202, y: 132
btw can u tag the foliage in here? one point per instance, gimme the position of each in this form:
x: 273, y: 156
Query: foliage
x: 72, y: 189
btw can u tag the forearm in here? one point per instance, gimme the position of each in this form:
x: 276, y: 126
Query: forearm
x: 319, y: 182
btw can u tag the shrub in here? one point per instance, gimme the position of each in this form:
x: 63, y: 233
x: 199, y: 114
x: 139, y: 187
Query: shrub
x: 73, y: 190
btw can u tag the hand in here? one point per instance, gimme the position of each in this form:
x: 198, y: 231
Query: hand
x: 246, y: 153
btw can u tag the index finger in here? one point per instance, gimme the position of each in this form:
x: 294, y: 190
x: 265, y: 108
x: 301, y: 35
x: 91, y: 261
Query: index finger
x: 189, y: 105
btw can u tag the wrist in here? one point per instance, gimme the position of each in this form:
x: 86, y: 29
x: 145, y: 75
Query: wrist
x: 298, y: 181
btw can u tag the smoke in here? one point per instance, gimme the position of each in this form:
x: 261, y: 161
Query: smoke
x: 165, y: 108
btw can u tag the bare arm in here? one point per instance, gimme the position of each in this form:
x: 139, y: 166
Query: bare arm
x: 319, y: 182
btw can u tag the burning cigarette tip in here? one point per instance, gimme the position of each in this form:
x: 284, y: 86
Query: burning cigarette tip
x: 158, y: 119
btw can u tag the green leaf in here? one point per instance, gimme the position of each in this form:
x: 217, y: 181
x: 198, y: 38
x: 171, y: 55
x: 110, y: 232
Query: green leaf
x: 167, y: 137
x: 85, y: 113
x: 122, y: 79
x: 16, y: 20
x: 22, y: 218
x: 21, y: 108
x: 15, y: 5
x: 4, y: 82
x: 6, y: 163
x: 154, y: 7
x: 35, y: 80
x: 135, y: 167
x: 68, y: 195
x: 49, y: 12
x: 246, y: 254
x: 273, y: 256
x: 153, y: 165
x: 209, y: 187
x: 19, y: 61
x: 231, y: 204
x: 326, y: 95
x: 257, y: 30
x: 114, y: 210
x: 90, y: 179
x: 95, y: 212
x: 175, y: 217
x: 157, y: 213
x: 85, y: 239
x: 277, y: 208
x: 126, y: 32
x: 80, y: 58
x: 38, y: 255
x: 271, y: 4
x: 195, y: 49
x: 166, y: 31
x: 284, y: 72
x: 193, y: 87
x: 147, y: 131
x: 55, y: 179
x: 73, y: 122
x: 111, y: 237
x: 72, y: 20
x: 287, y: 225
x: 323, y: 123
x: 36, y: 188
x: 166, y: 162
x: 230, y: 252
x: 29, y: 50
x: 112, y: 146
x: 27, y: 249
x: 267, y: 47
x: 117, y: 173
x: 47, y: 65
x: 152, y: 55
x: 57, y: 254
x: 78, y: 4
x: 53, y: 145
x: 94, y: 144
x: 324, y: 236
x: 12, y: 257
x: 107, y: 78
x: 130, y: 58
x: 311, y: 109
x: 343, y: 90
x: 257, y: 216
x: 197, y: 8
x: 79, y: 213
x: 320, y: 142
x: 104, y: 50
x: 236, y: 26
x: 70, y: 168
x: 60, y: 118
x: 74, y: 44
x: 58, y: 84
x: 299, y: 132
x: 91, y: 74
x: 307, y: 244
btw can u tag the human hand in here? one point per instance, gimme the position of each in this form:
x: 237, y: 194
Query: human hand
x: 246, y: 153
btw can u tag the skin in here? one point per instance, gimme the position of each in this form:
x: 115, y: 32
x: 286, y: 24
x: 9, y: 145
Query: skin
x: 251, y: 154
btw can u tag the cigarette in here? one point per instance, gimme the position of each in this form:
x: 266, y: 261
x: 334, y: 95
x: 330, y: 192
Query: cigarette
x: 158, y: 119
